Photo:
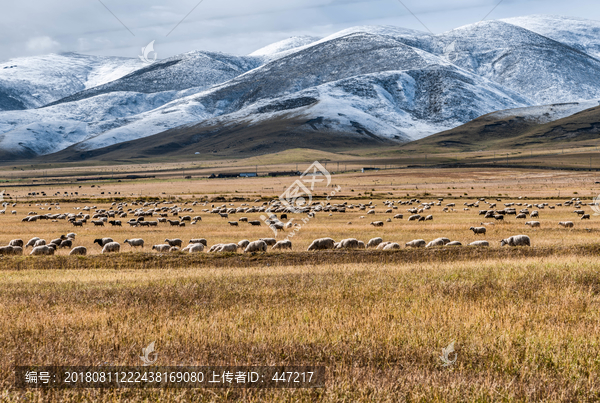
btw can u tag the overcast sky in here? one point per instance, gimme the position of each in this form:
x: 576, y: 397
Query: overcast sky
x: 233, y: 26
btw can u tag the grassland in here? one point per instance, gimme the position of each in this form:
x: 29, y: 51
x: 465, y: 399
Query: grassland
x: 525, y: 320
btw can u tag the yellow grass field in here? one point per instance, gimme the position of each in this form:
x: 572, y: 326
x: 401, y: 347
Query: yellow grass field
x: 525, y: 321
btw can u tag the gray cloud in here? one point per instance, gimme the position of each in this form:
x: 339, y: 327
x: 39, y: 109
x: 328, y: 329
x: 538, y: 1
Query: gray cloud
x: 233, y: 26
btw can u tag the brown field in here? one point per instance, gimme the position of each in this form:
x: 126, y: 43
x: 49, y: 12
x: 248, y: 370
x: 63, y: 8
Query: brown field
x: 525, y: 320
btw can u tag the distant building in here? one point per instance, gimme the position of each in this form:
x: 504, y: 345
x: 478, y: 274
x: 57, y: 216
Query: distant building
x: 248, y: 174
x: 369, y: 169
x: 285, y: 173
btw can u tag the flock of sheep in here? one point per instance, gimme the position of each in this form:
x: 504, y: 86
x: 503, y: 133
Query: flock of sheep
x: 162, y: 210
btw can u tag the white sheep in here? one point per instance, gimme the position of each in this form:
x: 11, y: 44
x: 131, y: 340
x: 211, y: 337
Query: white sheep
x: 243, y: 243
x: 111, y: 247
x: 479, y: 243
x: 42, y: 250
x: 453, y: 243
x: 383, y: 245
x: 269, y: 241
x: 256, y: 246
x: 195, y: 248
x: 322, y: 243
x: 16, y: 242
x: 377, y: 223
x: 533, y: 224
x: 391, y: 246
x: 39, y: 242
x: 415, y: 217
x: 566, y: 224
x: 227, y: 247
x: 161, y: 248
x: 416, y: 243
x: 438, y: 242
x: 134, y: 243
x: 373, y: 243
x: 287, y: 244
x: 350, y: 243
x: 516, y: 240
x: 32, y: 242
x: 199, y: 240
x: 79, y: 250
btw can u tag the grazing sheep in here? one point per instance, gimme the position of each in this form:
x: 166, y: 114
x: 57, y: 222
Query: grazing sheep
x: 373, y: 243
x: 57, y: 241
x: 499, y: 217
x: 585, y: 217
x: 134, y: 243
x: 111, y: 247
x: 453, y: 243
x: 521, y: 215
x: 39, y: 242
x: 269, y: 241
x: 566, y: 224
x: 161, y: 248
x: 391, y: 246
x: 174, y: 242
x: 17, y: 250
x: 516, y: 240
x: 429, y: 218
x: 115, y: 223
x: 438, y: 242
x: 533, y: 224
x: 199, y: 240
x: 242, y: 244
x: 417, y: 243
x: 255, y: 222
x: 98, y: 223
x: 399, y: 216
x: 16, y: 242
x: 67, y: 243
x: 377, y: 223
x: 415, y: 217
x: 233, y: 223
x: 361, y: 245
x: 479, y: 243
x: 32, y: 242
x: 173, y: 249
x: 256, y: 246
x: 6, y: 250
x: 350, y: 243
x: 71, y: 235
x: 478, y: 230
x: 103, y: 241
x: 80, y: 251
x: 228, y: 247
x: 321, y: 244
x: 579, y: 212
x: 43, y: 250
x: 287, y: 244
x: 383, y: 245
x: 534, y: 213
x: 195, y: 248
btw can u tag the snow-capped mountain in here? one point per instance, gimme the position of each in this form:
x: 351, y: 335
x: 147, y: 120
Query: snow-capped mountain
x: 32, y: 82
x: 376, y: 82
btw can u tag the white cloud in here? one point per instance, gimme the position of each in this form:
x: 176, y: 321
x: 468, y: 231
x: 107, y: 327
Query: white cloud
x: 42, y: 44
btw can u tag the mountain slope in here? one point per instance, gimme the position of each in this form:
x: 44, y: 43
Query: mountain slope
x: 537, y: 126
x: 31, y: 82
x: 578, y: 33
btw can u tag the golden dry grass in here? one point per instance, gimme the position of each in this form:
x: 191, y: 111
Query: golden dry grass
x: 526, y: 329
x: 525, y: 320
